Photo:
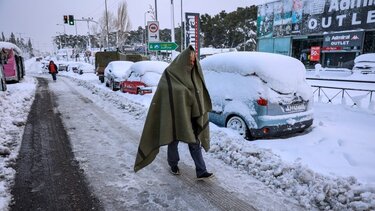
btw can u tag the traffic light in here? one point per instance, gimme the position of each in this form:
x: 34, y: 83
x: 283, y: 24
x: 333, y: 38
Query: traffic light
x: 65, y: 19
x: 71, y: 20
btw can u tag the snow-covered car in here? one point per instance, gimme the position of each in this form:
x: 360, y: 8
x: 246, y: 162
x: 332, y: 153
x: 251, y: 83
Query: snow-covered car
x: 115, y: 73
x: 85, y: 68
x: 143, y: 76
x: 365, y: 63
x: 258, y: 94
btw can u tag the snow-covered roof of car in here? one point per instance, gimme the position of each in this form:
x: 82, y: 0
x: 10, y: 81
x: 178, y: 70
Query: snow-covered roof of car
x: 120, y: 65
x: 368, y: 57
x: 149, y: 66
x: 8, y: 45
x: 281, y: 73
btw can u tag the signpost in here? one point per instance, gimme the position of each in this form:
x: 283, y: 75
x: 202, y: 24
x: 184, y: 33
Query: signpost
x: 158, y: 46
x: 153, y: 31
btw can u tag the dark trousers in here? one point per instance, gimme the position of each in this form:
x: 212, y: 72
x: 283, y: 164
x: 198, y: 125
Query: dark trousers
x: 195, y: 152
x: 53, y: 76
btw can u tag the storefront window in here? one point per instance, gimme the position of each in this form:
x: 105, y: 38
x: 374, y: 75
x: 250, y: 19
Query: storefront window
x: 302, y: 47
x: 369, y: 44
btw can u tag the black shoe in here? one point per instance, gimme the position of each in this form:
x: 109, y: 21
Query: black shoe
x: 205, y: 175
x: 175, y: 170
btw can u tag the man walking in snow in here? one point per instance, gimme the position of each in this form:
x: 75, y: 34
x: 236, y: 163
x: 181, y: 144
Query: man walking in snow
x: 52, y: 68
x: 178, y: 112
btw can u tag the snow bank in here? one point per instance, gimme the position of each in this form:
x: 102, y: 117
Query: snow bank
x: 311, y: 189
x: 15, y: 104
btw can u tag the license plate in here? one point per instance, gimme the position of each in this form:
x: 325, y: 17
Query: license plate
x: 295, y: 107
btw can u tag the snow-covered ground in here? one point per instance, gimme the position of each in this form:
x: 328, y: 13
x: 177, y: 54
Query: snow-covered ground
x: 330, y: 166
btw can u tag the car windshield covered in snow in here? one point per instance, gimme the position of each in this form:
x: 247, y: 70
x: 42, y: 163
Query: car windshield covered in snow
x: 258, y: 94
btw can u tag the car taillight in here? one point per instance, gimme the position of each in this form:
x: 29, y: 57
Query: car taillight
x: 262, y: 102
x: 266, y: 130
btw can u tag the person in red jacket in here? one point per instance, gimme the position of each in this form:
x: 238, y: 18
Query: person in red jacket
x: 52, y: 70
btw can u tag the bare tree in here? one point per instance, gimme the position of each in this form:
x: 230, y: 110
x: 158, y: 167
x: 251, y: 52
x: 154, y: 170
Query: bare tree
x: 122, y: 23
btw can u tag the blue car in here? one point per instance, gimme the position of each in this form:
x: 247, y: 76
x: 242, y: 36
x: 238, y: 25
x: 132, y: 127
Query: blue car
x: 258, y: 94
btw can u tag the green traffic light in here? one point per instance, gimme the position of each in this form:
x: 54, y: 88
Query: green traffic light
x: 71, y: 20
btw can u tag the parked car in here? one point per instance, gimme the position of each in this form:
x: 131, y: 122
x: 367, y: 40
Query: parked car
x: 80, y: 67
x: 365, y: 63
x: 143, y: 76
x: 115, y: 73
x: 258, y: 94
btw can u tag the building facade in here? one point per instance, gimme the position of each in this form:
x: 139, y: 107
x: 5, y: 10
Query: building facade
x: 329, y: 32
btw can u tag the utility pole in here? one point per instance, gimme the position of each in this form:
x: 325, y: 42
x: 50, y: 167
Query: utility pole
x: 182, y: 30
x: 172, y: 28
x: 156, y: 10
x: 106, y: 20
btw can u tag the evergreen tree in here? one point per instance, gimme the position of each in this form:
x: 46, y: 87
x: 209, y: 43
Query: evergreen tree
x: 2, y: 36
x: 30, y: 48
x: 12, y: 38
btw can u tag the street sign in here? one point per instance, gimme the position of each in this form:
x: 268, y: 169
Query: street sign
x: 158, y: 46
x: 153, y: 31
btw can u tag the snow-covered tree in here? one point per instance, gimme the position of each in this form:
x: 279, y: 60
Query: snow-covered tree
x: 122, y: 24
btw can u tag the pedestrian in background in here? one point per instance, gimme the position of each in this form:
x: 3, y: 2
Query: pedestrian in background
x: 52, y: 68
x: 178, y: 112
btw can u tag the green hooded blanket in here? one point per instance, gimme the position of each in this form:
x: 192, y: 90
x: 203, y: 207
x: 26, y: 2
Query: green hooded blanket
x: 178, y: 110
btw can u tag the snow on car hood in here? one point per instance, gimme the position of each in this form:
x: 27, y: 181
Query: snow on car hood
x: 368, y: 57
x: 283, y: 74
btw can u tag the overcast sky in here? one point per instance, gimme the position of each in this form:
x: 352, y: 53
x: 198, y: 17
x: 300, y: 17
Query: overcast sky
x: 39, y: 19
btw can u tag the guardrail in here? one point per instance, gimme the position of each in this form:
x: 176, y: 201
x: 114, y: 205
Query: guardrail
x: 336, y: 92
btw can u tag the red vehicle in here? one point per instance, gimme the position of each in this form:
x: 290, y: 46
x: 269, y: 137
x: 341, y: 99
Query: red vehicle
x: 143, y: 76
x: 14, y: 68
x: 135, y: 87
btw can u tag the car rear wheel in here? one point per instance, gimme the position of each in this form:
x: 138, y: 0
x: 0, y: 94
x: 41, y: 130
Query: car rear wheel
x: 238, y: 124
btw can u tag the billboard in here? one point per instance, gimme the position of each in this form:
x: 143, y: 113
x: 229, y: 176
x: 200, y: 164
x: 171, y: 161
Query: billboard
x: 192, y: 31
x: 305, y: 17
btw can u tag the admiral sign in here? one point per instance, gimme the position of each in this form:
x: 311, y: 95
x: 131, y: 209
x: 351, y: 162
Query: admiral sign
x: 342, y: 40
x: 338, y: 15
x: 192, y: 31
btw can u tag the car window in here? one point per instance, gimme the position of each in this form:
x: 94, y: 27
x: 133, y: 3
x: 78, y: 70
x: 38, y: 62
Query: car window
x: 134, y: 77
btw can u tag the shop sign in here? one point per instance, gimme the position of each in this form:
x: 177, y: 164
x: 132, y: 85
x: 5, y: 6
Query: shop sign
x: 332, y: 48
x: 345, y: 39
x: 315, y: 53
x: 192, y: 31
x: 304, y: 17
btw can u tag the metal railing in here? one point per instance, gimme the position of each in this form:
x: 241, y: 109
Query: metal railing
x: 342, y: 91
